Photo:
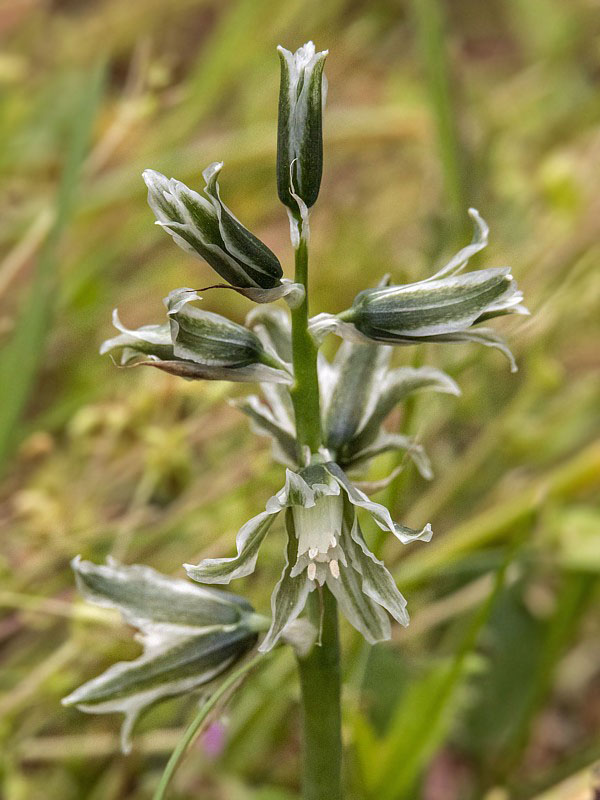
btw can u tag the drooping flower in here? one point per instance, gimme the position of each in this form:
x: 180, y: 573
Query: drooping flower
x: 442, y: 308
x: 190, y: 635
x: 198, y: 345
x: 207, y: 229
x: 325, y: 547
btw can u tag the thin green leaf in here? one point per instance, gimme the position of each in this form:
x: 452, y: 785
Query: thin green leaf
x: 197, y: 724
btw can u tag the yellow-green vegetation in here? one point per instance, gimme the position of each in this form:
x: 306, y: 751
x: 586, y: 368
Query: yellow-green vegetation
x: 492, y: 691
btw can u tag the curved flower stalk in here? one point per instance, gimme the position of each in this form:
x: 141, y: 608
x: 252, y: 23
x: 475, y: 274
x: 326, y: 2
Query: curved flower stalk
x: 207, y: 229
x: 359, y: 390
x: 198, y: 345
x: 190, y: 636
x: 325, y: 546
x: 441, y: 308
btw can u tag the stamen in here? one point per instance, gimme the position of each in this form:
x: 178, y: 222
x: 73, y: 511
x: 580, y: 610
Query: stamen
x: 313, y: 552
x: 334, y: 568
x: 311, y: 571
x: 332, y: 541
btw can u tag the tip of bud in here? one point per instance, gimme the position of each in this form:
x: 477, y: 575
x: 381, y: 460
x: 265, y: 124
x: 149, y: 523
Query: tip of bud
x: 212, y: 170
x: 152, y: 177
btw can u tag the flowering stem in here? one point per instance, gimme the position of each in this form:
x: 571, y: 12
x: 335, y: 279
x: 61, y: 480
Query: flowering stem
x: 320, y: 669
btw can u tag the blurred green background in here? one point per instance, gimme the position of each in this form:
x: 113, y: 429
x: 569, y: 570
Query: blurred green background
x: 494, y: 690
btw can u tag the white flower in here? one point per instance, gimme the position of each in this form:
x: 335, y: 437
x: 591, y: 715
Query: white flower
x: 325, y: 547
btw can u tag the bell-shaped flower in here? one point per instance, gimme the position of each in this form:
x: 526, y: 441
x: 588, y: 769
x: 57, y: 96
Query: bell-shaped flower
x: 442, y: 308
x: 190, y: 635
x: 198, y: 345
x: 206, y: 228
x: 358, y: 391
x: 325, y: 546
x: 302, y: 96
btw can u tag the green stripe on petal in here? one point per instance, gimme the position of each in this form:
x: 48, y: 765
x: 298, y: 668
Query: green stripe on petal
x: 261, y: 263
x: 360, y: 371
x: 193, y: 225
x: 207, y: 338
x: 205, y: 228
x: 360, y: 611
x: 377, y: 582
x: 290, y: 594
x: 189, y: 634
x: 429, y: 309
x: 173, y: 666
x: 299, y: 132
x: 141, y: 594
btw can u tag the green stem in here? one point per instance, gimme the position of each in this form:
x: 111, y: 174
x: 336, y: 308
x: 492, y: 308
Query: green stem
x: 320, y: 669
x: 197, y: 723
x: 320, y: 682
x: 305, y: 392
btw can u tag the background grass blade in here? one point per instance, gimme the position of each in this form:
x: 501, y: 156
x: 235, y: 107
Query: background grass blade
x: 23, y: 355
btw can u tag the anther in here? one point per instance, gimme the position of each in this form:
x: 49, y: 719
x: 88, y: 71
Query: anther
x: 334, y: 568
x: 311, y: 571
